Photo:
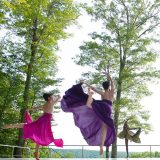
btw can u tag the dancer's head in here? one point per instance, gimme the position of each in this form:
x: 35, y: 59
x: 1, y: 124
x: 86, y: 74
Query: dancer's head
x: 47, y: 96
x: 106, y: 85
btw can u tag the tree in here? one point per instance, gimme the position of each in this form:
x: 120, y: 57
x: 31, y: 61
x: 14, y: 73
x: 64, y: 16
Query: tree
x: 37, y: 26
x: 129, y: 29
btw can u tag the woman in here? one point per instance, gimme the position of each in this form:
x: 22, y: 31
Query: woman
x: 40, y: 130
x: 127, y: 134
x: 93, y: 117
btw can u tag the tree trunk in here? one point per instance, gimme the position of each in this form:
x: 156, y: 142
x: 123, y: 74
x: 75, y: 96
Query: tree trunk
x: 116, y: 115
x: 21, y: 142
x: 107, y: 152
x: 114, y: 145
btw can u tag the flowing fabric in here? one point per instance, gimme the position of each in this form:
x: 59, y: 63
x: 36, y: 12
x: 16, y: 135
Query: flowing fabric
x: 88, y: 120
x: 40, y: 130
x: 126, y: 133
x: 28, y: 118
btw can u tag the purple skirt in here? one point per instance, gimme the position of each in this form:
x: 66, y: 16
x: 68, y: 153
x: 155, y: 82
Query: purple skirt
x: 88, y: 120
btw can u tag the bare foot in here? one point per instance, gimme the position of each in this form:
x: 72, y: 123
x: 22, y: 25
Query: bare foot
x: 90, y: 99
x: 101, y: 150
x: 36, y: 155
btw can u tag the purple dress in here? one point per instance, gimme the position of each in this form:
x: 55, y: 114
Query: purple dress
x: 40, y: 130
x: 88, y: 120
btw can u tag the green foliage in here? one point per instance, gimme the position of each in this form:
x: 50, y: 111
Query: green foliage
x: 8, y: 136
x: 145, y: 155
x: 58, y: 154
x: 28, y: 62
x: 35, y: 28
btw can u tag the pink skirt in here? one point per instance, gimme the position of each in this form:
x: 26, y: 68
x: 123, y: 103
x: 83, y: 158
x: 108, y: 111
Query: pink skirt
x: 40, y: 130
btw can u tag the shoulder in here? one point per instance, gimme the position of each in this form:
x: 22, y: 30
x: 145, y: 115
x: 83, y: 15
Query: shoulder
x: 102, y: 93
x: 43, y: 106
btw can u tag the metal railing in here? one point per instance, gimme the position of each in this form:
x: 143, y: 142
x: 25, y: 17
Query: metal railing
x: 85, y: 151
x: 12, y: 150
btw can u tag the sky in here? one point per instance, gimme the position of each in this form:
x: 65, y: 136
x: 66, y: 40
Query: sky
x: 72, y: 72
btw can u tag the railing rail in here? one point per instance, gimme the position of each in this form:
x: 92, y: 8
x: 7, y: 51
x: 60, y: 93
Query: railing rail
x: 12, y: 147
x: 150, y: 149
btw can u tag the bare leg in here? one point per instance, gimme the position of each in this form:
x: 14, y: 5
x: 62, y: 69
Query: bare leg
x: 103, y: 138
x: 90, y: 99
x: 126, y: 142
x: 36, y: 151
x: 18, y: 125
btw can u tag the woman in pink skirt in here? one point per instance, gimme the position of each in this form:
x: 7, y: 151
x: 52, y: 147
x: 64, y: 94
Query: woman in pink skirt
x: 40, y: 130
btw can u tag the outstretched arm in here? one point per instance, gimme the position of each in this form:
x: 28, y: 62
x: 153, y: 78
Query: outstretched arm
x: 94, y: 89
x: 35, y: 108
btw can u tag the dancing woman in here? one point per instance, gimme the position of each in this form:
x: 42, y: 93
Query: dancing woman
x: 106, y: 95
x: 127, y: 134
x: 93, y: 117
x: 40, y: 130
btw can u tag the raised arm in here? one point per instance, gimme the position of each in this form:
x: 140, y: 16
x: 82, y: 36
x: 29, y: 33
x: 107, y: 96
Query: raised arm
x: 57, y: 99
x: 111, y: 82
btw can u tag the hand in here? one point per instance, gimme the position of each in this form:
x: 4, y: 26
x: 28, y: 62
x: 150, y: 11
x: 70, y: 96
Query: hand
x: 105, y: 73
x: 58, y: 97
x: 82, y: 81
x: 108, y: 76
x: 55, y: 98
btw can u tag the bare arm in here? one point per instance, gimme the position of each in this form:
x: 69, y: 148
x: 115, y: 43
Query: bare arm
x: 35, y: 108
x: 94, y: 89
x: 57, y: 99
x: 111, y: 81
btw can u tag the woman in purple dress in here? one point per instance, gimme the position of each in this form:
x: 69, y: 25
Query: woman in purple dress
x: 40, y: 130
x: 92, y: 117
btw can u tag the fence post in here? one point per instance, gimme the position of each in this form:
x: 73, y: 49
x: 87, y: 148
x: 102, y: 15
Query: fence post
x: 82, y: 152
x: 29, y: 153
x: 150, y: 151
x: 12, y: 152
